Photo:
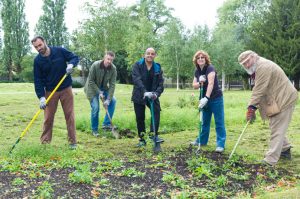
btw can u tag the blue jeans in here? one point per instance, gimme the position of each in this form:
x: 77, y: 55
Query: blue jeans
x: 95, y: 110
x: 216, y: 107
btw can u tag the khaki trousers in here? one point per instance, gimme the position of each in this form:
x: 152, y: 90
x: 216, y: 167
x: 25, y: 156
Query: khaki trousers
x: 278, y: 141
x: 67, y: 102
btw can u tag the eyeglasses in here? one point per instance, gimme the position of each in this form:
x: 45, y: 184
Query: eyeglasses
x: 200, y: 58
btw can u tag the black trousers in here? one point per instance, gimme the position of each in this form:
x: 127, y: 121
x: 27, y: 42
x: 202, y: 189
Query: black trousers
x: 139, y: 110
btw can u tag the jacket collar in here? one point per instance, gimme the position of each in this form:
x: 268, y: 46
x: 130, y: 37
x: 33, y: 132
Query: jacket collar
x: 155, y: 65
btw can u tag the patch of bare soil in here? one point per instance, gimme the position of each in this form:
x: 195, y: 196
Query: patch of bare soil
x: 150, y: 177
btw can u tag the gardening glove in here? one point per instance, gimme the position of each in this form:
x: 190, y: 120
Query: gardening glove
x: 43, y: 103
x: 250, y: 116
x: 202, y: 79
x: 101, y: 95
x: 203, y: 102
x: 69, y: 69
x: 106, y: 102
x: 148, y: 95
x: 153, y: 96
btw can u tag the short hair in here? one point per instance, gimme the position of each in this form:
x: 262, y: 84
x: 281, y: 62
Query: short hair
x: 205, y: 54
x: 36, y: 38
x: 110, y: 53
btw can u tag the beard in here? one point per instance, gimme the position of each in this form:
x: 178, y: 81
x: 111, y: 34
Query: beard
x: 251, y: 69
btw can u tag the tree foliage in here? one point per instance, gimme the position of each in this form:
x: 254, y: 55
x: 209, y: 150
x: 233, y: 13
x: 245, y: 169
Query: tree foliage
x: 15, y: 30
x: 51, y: 25
x: 277, y: 36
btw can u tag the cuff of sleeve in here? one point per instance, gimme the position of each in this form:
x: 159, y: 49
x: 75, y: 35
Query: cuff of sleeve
x: 252, y: 107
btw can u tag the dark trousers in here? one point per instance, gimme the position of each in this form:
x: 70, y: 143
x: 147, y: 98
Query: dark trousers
x: 139, y: 110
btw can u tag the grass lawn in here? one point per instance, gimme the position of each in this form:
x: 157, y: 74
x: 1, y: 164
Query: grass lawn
x: 99, y: 164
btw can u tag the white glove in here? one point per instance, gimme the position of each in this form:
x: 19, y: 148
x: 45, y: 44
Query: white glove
x: 148, y: 95
x: 202, y: 79
x: 69, y: 69
x: 202, y: 102
x: 101, y: 95
x: 106, y: 102
x: 43, y: 103
x: 154, y: 96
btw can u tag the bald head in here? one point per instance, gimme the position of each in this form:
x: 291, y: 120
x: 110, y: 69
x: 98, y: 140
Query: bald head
x: 150, y: 55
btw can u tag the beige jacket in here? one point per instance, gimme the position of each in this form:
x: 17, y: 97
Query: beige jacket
x: 273, y: 91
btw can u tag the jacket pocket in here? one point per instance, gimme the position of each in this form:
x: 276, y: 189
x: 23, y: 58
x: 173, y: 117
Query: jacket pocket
x: 271, y: 107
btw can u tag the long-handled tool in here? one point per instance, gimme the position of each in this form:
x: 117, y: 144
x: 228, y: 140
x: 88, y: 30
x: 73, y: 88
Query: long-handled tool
x: 239, y: 139
x: 156, y: 142
x: 200, y: 123
x: 113, y: 131
x: 37, y: 113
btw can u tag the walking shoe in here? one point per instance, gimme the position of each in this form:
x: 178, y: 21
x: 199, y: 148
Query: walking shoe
x: 108, y: 127
x: 195, y: 143
x: 286, y: 154
x: 141, y: 143
x: 157, y: 139
x: 72, y: 146
x: 219, y: 149
x: 95, y: 133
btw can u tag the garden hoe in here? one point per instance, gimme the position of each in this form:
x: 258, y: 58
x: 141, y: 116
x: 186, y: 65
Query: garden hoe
x: 156, y: 142
x: 239, y: 140
x: 37, y: 113
x: 200, y: 123
x: 113, y: 131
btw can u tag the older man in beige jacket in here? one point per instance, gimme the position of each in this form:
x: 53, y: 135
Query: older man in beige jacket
x: 275, y: 97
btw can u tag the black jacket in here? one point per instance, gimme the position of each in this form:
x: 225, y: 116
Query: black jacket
x: 139, y: 75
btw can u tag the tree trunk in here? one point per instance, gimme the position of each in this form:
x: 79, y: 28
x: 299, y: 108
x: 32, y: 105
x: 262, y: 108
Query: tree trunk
x: 223, y: 81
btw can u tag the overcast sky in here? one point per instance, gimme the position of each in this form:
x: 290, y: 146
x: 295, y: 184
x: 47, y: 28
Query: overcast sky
x: 190, y: 12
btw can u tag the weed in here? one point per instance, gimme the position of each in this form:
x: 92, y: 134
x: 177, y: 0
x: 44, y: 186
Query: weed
x: 18, y: 181
x: 243, y: 177
x: 45, y: 190
x: 174, y: 179
x: 104, y: 182
x: 203, y: 170
x: 221, y: 181
x: 182, y: 102
x: 136, y: 186
x: 82, y: 174
x: 132, y: 172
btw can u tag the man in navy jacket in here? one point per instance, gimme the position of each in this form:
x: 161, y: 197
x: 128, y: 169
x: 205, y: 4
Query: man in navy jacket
x: 50, y: 65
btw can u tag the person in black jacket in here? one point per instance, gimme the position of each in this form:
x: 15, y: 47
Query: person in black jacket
x: 147, y: 77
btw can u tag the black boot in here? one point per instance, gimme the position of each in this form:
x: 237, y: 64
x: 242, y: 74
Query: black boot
x: 142, y: 141
x: 286, y: 154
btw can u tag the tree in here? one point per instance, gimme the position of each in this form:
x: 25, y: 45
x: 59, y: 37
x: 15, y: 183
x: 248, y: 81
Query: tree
x: 15, y: 29
x: 172, y: 52
x: 149, y: 17
x: 51, y: 25
x: 106, y: 29
x: 277, y: 36
x: 225, y: 49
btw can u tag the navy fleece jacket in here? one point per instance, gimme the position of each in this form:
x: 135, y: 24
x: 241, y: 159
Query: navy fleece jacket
x: 49, y: 70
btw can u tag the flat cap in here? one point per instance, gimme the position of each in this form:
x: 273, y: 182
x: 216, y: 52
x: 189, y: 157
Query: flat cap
x: 244, y: 56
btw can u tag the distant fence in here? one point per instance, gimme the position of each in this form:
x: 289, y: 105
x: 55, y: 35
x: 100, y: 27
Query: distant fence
x: 230, y: 86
